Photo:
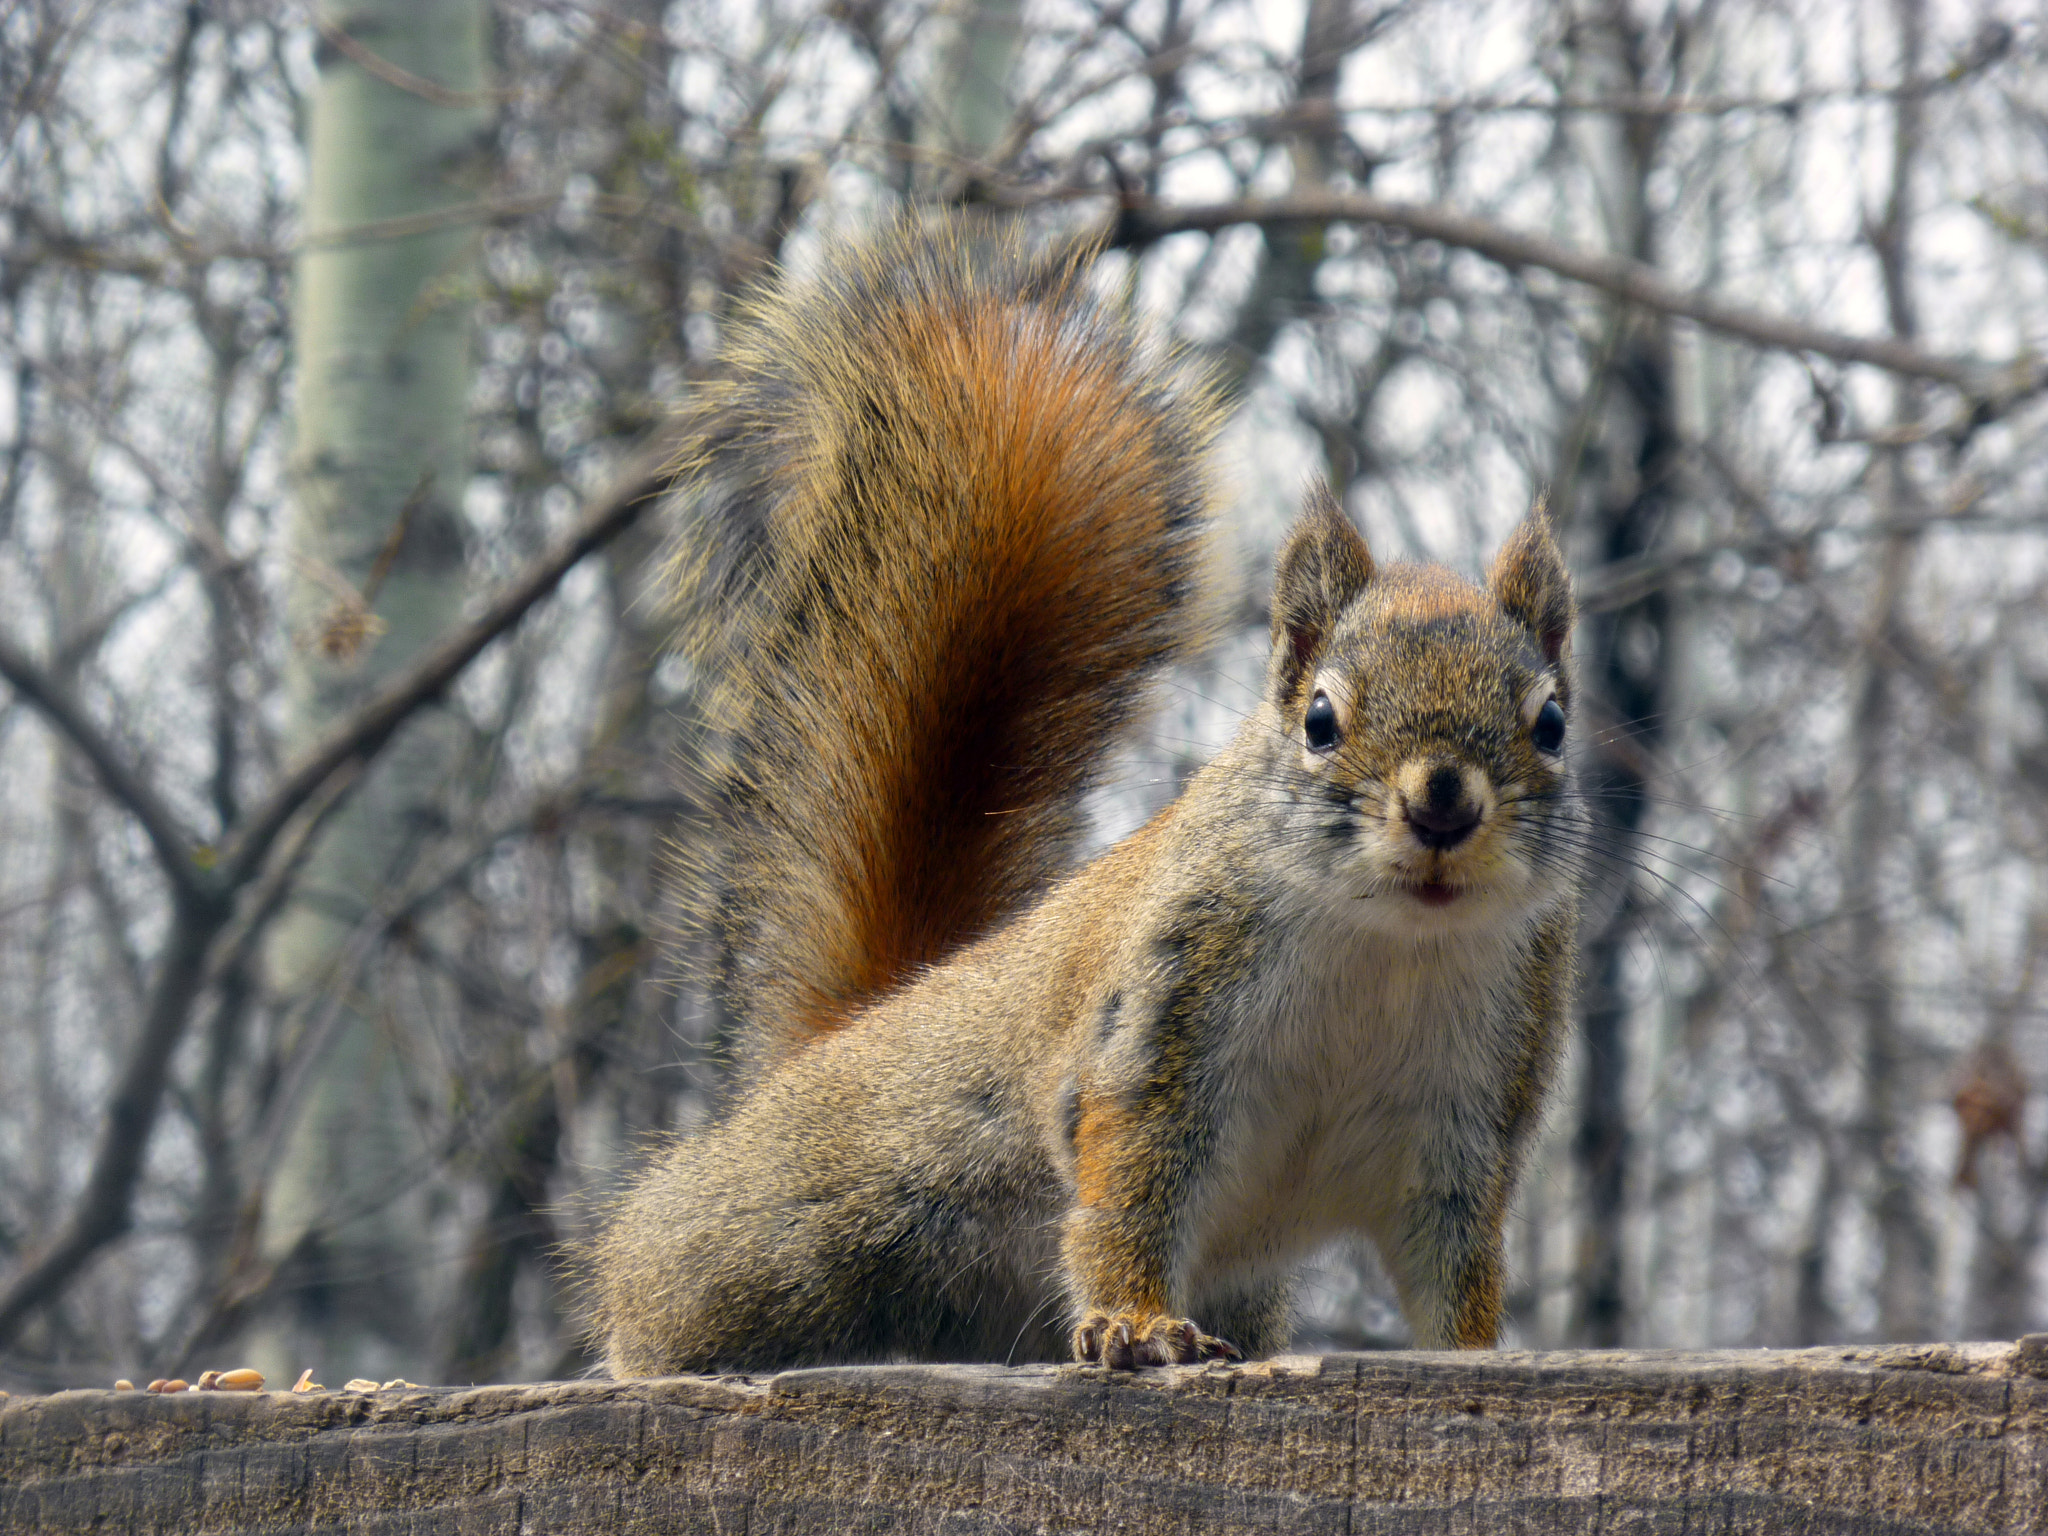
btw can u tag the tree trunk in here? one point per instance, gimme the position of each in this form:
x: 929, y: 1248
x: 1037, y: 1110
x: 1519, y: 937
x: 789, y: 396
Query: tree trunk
x: 1906, y: 1282
x: 969, y: 111
x: 382, y: 331
x: 1624, y: 657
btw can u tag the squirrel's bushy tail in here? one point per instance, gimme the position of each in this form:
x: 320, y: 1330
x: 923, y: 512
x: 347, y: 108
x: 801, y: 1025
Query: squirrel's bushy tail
x: 939, y: 529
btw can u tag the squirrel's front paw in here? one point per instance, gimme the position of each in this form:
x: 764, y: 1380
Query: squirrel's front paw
x: 1128, y: 1340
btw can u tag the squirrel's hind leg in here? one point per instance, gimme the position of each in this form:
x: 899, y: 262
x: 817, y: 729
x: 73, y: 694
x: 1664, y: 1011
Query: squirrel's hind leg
x: 720, y: 1259
x: 771, y: 1245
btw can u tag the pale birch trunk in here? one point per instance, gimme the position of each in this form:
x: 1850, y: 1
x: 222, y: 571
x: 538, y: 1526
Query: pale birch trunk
x: 970, y: 107
x: 382, y: 330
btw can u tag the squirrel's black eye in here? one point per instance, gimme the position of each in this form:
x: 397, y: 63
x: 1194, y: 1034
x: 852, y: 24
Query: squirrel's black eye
x: 1319, y: 725
x: 1548, y: 731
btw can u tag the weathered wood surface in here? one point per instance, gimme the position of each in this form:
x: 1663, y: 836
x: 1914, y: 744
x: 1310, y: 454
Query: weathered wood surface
x: 1934, y: 1438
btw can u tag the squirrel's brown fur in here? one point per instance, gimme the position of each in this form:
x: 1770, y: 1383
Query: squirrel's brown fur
x: 947, y: 522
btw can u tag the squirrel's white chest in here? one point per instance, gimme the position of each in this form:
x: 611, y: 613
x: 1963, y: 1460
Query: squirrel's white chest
x: 1339, y: 1070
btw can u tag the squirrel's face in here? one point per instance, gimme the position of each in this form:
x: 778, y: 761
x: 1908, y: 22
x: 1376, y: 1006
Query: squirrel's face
x: 1426, y: 725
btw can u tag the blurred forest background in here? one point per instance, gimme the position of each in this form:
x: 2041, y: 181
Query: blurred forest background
x: 338, y: 740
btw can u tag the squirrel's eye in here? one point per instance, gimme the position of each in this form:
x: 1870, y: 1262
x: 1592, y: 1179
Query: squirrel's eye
x: 1548, y: 731
x: 1319, y: 725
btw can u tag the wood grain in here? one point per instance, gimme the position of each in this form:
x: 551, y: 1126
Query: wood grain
x: 1864, y: 1440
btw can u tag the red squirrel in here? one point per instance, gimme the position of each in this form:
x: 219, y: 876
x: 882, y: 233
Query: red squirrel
x: 940, y: 530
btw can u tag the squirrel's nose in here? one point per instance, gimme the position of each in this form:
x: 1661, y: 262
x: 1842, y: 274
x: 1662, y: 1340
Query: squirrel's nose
x: 1442, y: 817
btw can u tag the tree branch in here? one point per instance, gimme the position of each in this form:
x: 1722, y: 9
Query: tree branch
x: 362, y: 734
x: 202, y: 906
x: 102, y: 1211
x: 1991, y: 386
x: 399, y: 78
x: 172, y: 845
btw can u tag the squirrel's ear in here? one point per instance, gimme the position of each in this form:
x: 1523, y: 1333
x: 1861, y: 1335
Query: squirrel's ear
x: 1531, y: 584
x: 1323, y: 565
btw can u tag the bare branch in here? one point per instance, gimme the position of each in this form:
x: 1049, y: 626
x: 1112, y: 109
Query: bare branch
x: 361, y: 735
x: 486, y: 210
x: 103, y: 1209
x: 172, y: 845
x: 1992, y: 386
x: 1722, y: 104
x: 261, y: 898
x: 376, y: 65
x: 203, y: 910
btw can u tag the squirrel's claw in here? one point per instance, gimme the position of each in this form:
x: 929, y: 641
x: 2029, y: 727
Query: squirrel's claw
x: 1128, y: 1340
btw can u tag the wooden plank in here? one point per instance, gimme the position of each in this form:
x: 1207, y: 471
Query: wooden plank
x: 1937, y: 1438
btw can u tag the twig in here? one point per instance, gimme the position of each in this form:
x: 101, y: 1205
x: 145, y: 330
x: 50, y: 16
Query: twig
x: 1993, y: 385
x: 173, y: 846
x: 364, y: 732
x: 483, y: 210
x: 103, y: 1209
x: 401, y: 79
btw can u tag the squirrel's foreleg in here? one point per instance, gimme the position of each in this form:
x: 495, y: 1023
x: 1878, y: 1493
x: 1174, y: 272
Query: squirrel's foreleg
x: 1134, y: 1165
x: 1444, y: 1254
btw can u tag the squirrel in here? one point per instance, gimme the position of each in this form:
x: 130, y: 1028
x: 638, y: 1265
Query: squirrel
x: 942, y: 526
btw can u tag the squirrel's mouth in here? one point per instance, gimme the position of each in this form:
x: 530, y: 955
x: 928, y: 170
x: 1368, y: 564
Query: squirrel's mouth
x: 1432, y: 893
